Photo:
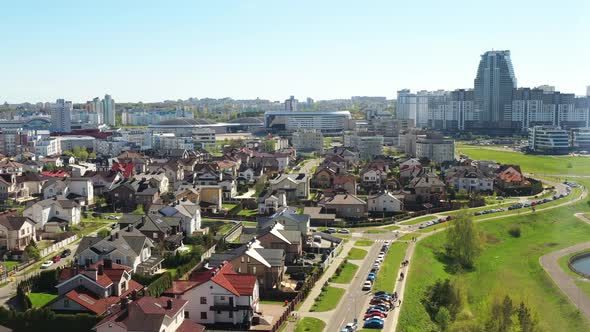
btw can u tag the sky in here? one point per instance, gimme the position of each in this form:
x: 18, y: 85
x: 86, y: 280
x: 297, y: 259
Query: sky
x: 156, y: 50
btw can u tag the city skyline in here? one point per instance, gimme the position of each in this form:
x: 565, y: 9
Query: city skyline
x: 243, y: 51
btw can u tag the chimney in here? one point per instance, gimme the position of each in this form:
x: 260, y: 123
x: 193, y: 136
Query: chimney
x: 100, y: 269
x: 117, y: 235
x: 169, y: 304
x: 134, y: 295
x: 130, y: 228
x: 108, y: 263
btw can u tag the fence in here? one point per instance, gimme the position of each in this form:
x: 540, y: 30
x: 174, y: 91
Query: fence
x: 331, y: 256
x: 57, y: 246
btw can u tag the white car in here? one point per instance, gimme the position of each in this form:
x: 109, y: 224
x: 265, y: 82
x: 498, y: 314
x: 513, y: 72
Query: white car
x: 387, y: 243
x: 367, y: 285
x: 46, y: 264
x: 381, y: 256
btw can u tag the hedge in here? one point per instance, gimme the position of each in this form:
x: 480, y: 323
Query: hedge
x: 34, y: 320
x: 160, y: 285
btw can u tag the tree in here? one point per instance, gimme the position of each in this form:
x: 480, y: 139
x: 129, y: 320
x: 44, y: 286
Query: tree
x: 31, y: 251
x: 138, y: 209
x: 463, y: 240
x: 443, y: 294
x: 443, y: 318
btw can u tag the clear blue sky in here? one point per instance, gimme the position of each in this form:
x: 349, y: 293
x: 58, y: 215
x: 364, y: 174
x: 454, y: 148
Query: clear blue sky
x: 155, y: 50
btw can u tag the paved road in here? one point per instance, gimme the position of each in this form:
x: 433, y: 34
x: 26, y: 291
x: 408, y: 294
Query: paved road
x: 564, y: 281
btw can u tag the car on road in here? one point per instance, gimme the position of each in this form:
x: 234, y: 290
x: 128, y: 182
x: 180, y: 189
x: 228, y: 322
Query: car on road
x: 330, y: 230
x: 387, y: 243
x: 343, y: 231
x: 66, y: 253
x: 56, y: 258
x: 367, y: 285
x: 350, y: 327
x: 46, y: 264
x: 373, y: 323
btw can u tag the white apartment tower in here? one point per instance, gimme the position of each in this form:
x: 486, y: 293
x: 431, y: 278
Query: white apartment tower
x: 61, y: 116
x: 291, y: 104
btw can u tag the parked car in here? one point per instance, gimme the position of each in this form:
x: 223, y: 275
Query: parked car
x: 374, y: 314
x: 373, y: 323
x: 367, y: 285
x: 56, y: 258
x: 378, y: 307
x: 46, y: 264
x: 351, y: 327
x: 383, y: 293
x: 371, y: 276
x: 66, y: 253
x: 343, y: 231
x: 382, y: 312
x: 330, y: 230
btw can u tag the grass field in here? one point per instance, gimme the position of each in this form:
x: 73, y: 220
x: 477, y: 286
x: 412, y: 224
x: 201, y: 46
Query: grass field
x: 329, y: 299
x: 356, y: 253
x: 538, y: 164
x: 364, y: 243
x: 507, y: 266
x: 38, y: 300
x: 392, y: 228
x: 9, y: 265
x: 408, y: 236
x: 310, y: 324
x: 347, y: 274
x: 388, y: 273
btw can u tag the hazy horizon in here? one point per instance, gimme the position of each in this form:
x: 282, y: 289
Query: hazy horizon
x: 329, y: 50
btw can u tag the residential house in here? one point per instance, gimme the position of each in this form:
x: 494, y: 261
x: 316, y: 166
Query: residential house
x: 54, y: 213
x: 295, y: 186
x: 139, y: 161
x: 8, y: 166
x: 93, y: 289
x: 287, y: 217
x: 324, y: 177
x: 426, y: 187
x: 33, y: 166
x: 103, y: 181
x: 159, y: 229
x: 510, y: 176
x: 70, y: 188
x: 268, y: 265
x: 16, y: 232
x: 249, y: 174
x: 278, y: 237
x: 158, y: 180
x: 188, y: 212
x: 30, y: 185
x: 128, y: 194
x: 220, y: 297
x: 384, y: 202
x: 345, y: 183
x: 345, y: 206
x: 127, y: 247
x: 469, y: 179
x: 270, y: 201
x: 149, y: 314
x: 8, y: 187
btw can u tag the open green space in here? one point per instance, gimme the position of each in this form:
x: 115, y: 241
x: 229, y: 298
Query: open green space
x: 347, y: 273
x: 408, y: 237
x: 248, y: 213
x: 391, y: 228
x: 328, y: 299
x: 9, y: 265
x: 310, y: 324
x: 363, y: 243
x: 539, y: 164
x: 388, y: 273
x: 356, y: 253
x: 507, y: 266
x: 418, y: 220
x: 38, y: 300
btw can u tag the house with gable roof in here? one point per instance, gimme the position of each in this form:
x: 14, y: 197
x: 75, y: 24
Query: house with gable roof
x: 219, y: 297
x: 295, y: 186
x: 16, y: 232
x: 54, y: 213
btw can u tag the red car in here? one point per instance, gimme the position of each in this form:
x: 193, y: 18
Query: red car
x: 374, y: 315
x: 56, y: 259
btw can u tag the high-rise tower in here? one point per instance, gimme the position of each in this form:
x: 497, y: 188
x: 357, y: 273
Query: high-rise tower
x: 493, y: 88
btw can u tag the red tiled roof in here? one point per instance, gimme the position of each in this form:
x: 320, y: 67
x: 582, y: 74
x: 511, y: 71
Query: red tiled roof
x: 90, y: 301
x: 181, y: 286
x: 224, y: 276
x: 190, y: 326
x: 125, y: 168
x: 243, y: 283
x: 56, y: 174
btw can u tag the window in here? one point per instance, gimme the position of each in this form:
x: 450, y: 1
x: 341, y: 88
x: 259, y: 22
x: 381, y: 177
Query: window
x: 203, y: 300
x: 231, y: 314
x: 222, y: 298
x: 118, y: 261
x: 254, y: 269
x: 203, y: 315
x: 155, y: 235
x: 186, y: 315
x: 242, y: 259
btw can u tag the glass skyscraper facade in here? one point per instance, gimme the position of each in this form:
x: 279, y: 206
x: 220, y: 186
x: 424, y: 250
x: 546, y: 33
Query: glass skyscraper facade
x: 493, y: 88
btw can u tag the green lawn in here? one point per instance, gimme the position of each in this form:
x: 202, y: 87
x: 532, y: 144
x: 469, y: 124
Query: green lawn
x: 530, y: 163
x: 347, y: 274
x: 281, y: 303
x: 418, y: 220
x: 329, y: 299
x: 364, y: 243
x: 391, y: 228
x: 39, y: 300
x: 388, y: 273
x: 356, y: 253
x: 9, y: 265
x: 507, y: 266
x: 248, y: 213
x: 310, y: 324
x: 408, y: 236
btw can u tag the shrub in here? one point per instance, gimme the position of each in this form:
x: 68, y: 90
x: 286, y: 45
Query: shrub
x: 514, y: 231
x: 160, y: 285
